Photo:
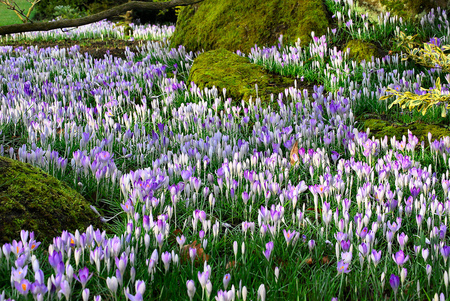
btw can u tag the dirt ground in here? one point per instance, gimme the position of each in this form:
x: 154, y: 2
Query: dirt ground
x: 96, y: 48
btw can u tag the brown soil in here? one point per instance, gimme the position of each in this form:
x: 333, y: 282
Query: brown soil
x: 96, y: 48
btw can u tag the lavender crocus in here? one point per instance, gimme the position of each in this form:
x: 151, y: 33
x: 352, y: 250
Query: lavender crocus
x: 342, y: 267
x: 400, y: 258
x: 83, y: 276
x: 190, y: 289
x: 23, y: 287
x: 376, y: 257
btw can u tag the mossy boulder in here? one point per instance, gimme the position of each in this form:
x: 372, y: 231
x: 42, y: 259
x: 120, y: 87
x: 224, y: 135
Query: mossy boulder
x: 361, y: 50
x: 380, y: 128
x: 407, y: 9
x: 224, y: 69
x: 240, y: 24
x: 31, y: 199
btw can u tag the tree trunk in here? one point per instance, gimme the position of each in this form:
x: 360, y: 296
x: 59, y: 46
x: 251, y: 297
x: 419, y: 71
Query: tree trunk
x: 133, y: 5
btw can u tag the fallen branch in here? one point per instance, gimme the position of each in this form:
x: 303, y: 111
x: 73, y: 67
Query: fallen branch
x: 133, y: 5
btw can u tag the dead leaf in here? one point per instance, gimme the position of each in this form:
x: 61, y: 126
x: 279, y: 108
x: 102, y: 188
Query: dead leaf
x: 230, y: 265
x: 325, y: 260
x: 294, y: 154
x: 309, y: 261
x: 200, y: 258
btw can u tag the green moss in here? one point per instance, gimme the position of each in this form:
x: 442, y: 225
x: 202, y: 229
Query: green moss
x: 239, y: 25
x: 360, y: 50
x: 381, y: 128
x: 224, y: 69
x: 31, y: 199
x: 409, y: 9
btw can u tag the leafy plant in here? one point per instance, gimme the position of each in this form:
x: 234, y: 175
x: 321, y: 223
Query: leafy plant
x: 405, y: 42
x: 431, y: 56
x: 422, y: 102
x: 67, y: 12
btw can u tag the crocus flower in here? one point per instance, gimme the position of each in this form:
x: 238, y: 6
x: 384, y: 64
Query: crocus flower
x: 289, y: 235
x: 85, y: 294
x: 345, y: 245
x: 376, y: 256
x: 192, y: 254
x: 203, y: 278
x: 18, y: 274
x: 311, y: 245
x: 190, y: 289
x: 262, y: 292
x: 83, y: 276
x: 342, y: 267
x: 23, y: 287
x: 445, y: 252
x: 346, y: 257
x: 112, y: 284
x: 166, y: 257
x: 425, y: 254
x: 394, y: 281
x: 267, y: 253
x: 226, y: 280
x: 402, y: 239
x: 400, y: 258
x: 65, y: 289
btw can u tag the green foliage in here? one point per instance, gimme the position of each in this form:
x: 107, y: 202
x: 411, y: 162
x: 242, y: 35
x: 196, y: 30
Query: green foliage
x: 433, y: 97
x: 405, y: 42
x: 47, y: 9
x: 68, y: 12
x: 430, y: 56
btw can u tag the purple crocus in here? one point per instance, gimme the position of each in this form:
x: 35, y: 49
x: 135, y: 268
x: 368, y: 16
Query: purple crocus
x: 83, y: 276
x: 268, y: 251
x: 402, y: 239
x: 400, y: 258
x: 345, y: 245
x: 445, y: 252
x: 54, y: 259
x: 186, y: 174
x: 311, y: 245
x: 394, y: 281
x: 23, y: 287
x: 376, y: 257
x: 342, y: 267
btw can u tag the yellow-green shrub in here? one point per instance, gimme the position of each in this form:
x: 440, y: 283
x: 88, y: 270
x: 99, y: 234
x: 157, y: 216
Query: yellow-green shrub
x: 432, y: 56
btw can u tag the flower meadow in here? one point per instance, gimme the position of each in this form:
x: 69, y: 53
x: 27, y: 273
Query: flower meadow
x: 212, y: 198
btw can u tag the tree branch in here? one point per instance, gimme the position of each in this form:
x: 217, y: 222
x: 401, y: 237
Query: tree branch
x: 136, y: 5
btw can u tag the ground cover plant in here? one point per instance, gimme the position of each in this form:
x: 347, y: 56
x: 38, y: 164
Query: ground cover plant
x: 209, y: 197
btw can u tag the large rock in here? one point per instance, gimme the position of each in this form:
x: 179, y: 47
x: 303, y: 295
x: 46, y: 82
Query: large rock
x: 381, y: 128
x: 224, y: 69
x: 240, y: 24
x: 406, y: 9
x: 31, y: 199
x: 361, y: 50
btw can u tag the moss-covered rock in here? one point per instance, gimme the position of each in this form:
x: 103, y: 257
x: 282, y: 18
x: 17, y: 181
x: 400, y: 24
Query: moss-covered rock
x: 361, y: 50
x: 30, y: 199
x: 407, y: 9
x: 380, y: 128
x: 224, y: 69
x: 240, y: 24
